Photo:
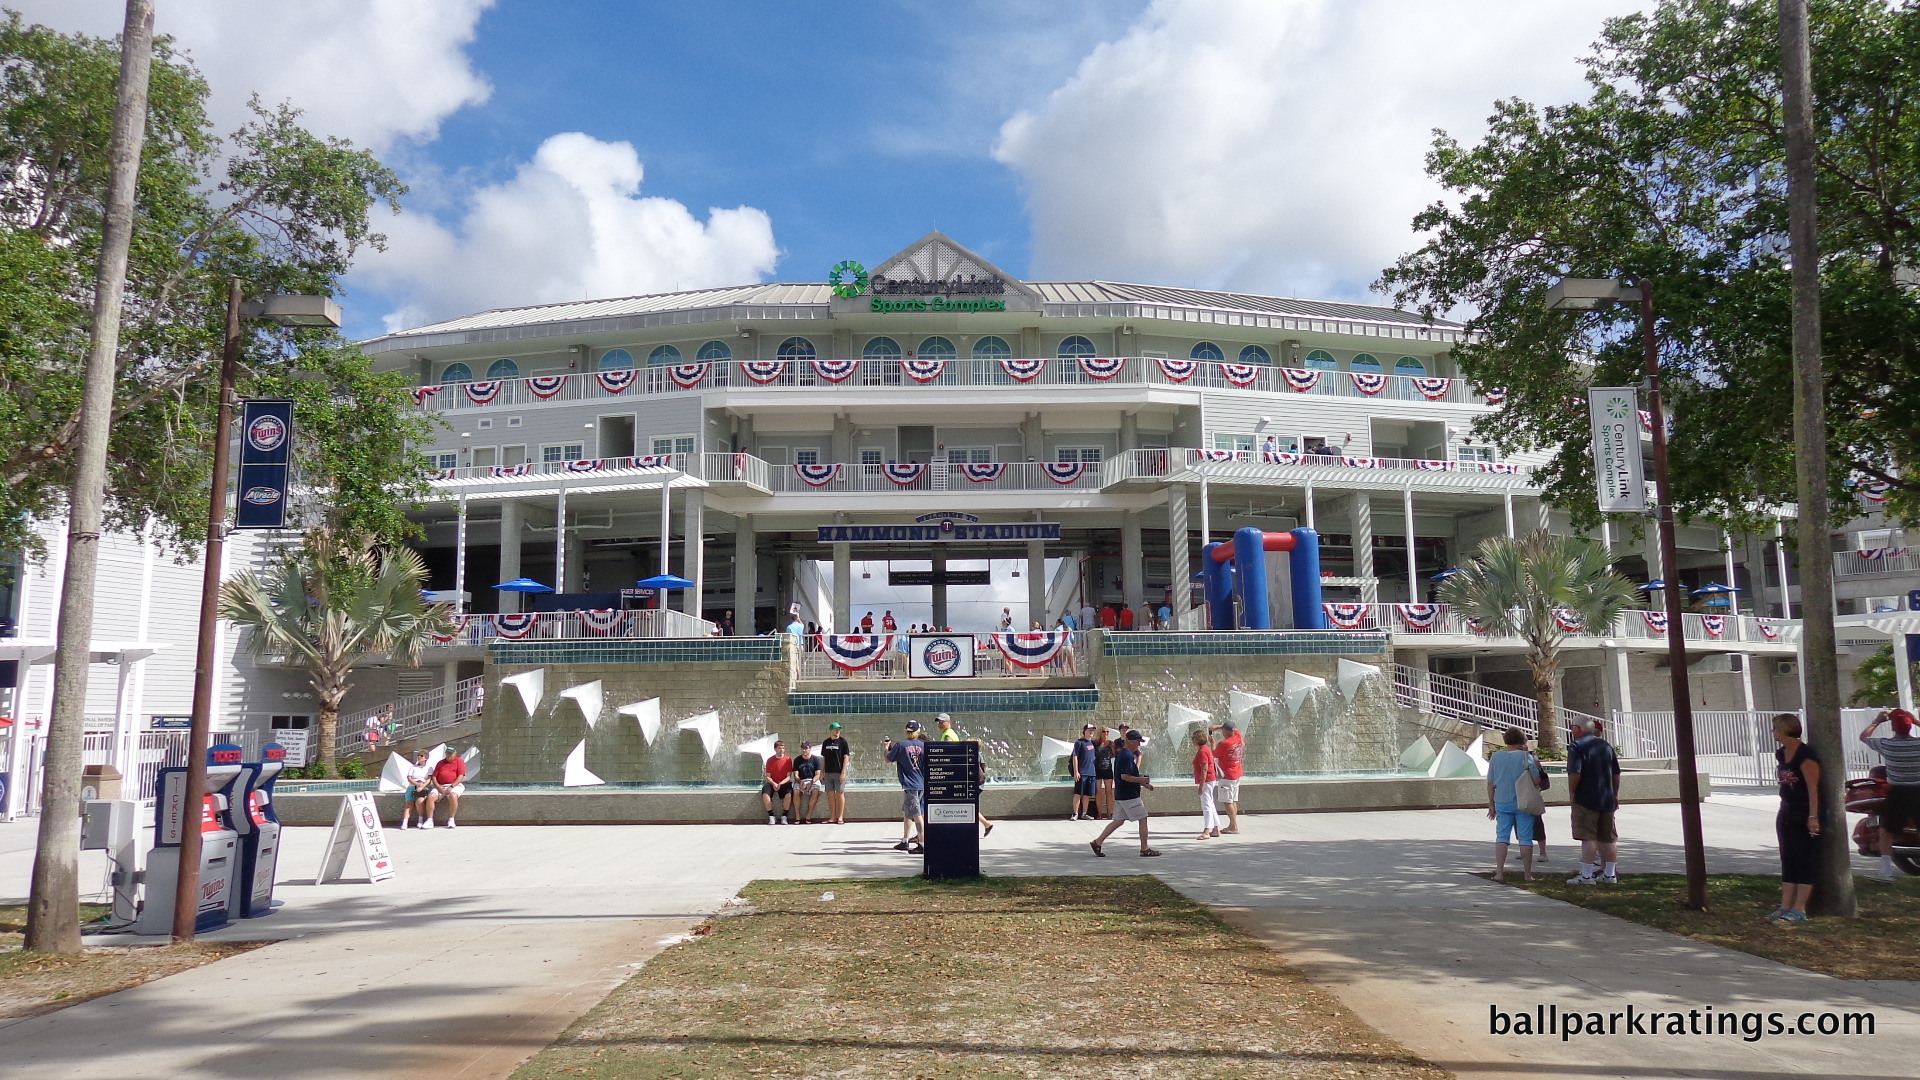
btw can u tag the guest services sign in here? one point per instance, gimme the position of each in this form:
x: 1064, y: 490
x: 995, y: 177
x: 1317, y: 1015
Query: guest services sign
x: 1614, y: 414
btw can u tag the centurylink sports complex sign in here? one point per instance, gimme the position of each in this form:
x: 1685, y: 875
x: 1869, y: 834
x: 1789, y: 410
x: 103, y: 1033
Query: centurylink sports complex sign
x: 1614, y: 414
x: 971, y: 293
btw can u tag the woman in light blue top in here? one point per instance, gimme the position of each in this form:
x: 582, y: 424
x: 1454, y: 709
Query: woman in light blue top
x: 1506, y: 771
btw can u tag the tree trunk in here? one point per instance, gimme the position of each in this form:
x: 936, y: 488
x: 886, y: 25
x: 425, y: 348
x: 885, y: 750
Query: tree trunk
x: 1833, y: 873
x: 53, y: 905
x: 1546, y: 673
x: 329, y: 733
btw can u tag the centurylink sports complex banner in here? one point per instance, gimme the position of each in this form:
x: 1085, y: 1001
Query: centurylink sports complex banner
x: 1614, y: 412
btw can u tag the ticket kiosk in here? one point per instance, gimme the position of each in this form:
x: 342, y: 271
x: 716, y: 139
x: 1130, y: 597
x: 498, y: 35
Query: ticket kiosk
x: 219, y: 842
x: 260, y: 843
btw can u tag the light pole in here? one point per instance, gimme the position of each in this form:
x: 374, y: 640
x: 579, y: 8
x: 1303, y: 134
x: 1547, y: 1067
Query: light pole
x: 1585, y: 294
x: 287, y: 311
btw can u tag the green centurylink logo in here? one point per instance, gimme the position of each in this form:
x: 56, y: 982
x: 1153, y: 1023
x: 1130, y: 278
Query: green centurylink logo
x: 850, y: 280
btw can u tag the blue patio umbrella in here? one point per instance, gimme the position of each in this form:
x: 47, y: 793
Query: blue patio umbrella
x: 522, y: 585
x: 660, y: 583
x: 1652, y: 586
x: 1714, y: 588
x: 1447, y: 573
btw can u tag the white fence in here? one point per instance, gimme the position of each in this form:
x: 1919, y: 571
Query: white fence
x: 1436, y: 619
x: 1470, y: 702
x: 576, y: 625
x: 1736, y: 747
x: 1226, y: 465
x: 938, y: 476
x: 151, y: 751
x: 715, y: 468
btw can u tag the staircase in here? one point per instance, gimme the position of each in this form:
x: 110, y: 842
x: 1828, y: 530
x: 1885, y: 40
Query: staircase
x: 1461, y: 710
x: 413, y: 716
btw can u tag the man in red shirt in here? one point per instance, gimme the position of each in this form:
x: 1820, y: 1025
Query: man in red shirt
x: 777, y: 785
x: 1230, y: 752
x: 1126, y: 618
x: 449, y: 776
x: 887, y: 624
x: 1107, y: 619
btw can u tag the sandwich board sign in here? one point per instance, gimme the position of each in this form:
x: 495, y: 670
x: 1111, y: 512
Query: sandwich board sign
x: 356, y: 826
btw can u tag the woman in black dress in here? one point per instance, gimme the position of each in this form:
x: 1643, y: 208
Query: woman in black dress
x: 1798, y: 824
x: 1103, y: 751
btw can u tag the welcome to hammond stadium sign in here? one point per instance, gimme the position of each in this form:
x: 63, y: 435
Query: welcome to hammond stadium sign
x: 971, y: 293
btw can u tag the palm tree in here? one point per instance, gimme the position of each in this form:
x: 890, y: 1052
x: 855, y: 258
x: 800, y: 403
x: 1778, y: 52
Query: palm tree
x: 330, y: 604
x: 1535, y: 588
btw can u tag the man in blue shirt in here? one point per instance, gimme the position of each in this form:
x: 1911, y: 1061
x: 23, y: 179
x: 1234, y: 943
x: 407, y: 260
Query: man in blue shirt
x: 909, y: 758
x: 1085, y: 787
x: 1593, y: 780
x: 1128, y: 803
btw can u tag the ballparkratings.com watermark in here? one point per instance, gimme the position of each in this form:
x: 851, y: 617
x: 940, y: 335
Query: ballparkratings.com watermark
x: 1747, y: 1025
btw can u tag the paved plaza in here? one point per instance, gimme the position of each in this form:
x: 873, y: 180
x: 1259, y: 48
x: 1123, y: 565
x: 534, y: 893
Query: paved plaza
x: 491, y: 940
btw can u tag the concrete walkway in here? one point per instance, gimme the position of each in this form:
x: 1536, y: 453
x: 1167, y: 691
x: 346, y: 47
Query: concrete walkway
x: 491, y: 940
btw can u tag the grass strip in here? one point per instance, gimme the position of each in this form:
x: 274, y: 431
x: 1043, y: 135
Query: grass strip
x: 1002, y: 977
x: 35, y: 983
x: 1883, y: 943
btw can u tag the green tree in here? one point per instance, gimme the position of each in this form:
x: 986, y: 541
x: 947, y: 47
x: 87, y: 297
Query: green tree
x: 1875, y: 682
x: 271, y: 204
x: 1532, y: 588
x: 331, y: 604
x: 1674, y: 171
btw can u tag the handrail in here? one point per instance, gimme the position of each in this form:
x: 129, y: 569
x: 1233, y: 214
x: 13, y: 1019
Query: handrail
x: 410, y: 716
x: 714, y: 468
x: 1634, y: 624
x: 950, y: 476
x: 1883, y: 560
x: 610, y: 624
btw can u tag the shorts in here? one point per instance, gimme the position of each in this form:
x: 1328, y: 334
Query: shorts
x: 1799, y: 849
x: 833, y: 781
x: 1130, y: 810
x: 1508, y: 822
x: 781, y: 792
x: 1902, y: 806
x: 456, y: 790
x: 1226, y: 791
x: 1087, y: 786
x: 912, y: 802
x: 1595, y: 825
x: 1103, y: 770
x: 809, y: 785
x: 415, y: 794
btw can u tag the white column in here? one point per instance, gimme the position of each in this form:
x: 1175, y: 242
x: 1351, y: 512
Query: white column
x: 1360, y: 509
x: 1780, y: 567
x: 560, y: 540
x: 1307, y: 518
x: 843, y: 588
x: 510, y: 529
x: 1733, y: 599
x: 1506, y: 503
x: 938, y: 560
x: 1206, y: 514
x: 745, y: 573
x: 1903, y: 672
x: 1181, y: 567
x: 1413, y: 569
x: 1037, y: 583
x: 460, y: 559
x: 666, y: 526
x: 1133, y: 563
x: 694, y: 555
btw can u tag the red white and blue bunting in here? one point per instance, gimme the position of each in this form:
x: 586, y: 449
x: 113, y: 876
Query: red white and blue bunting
x: 522, y: 469
x: 817, y: 475
x: 482, y: 393
x: 1023, y: 369
x: 835, y: 371
x: 1656, y: 621
x: 1369, y: 383
x: 1280, y: 457
x: 1767, y: 629
x: 1431, y: 465
x: 514, y: 626
x: 1504, y: 468
x: 1102, y: 367
x: 1475, y: 625
x: 1496, y: 395
x: 1361, y: 462
x: 584, y: 466
x: 1349, y: 616
x: 922, y: 369
x: 1177, y: 370
x: 903, y: 473
x: 442, y: 474
x: 459, y: 627
x: 652, y: 461
x: 1301, y: 380
x: 1569, y: 622
x: 1064, y: 472
x: 982, y: 472
x: 422, y: 393
x: 1030, y: 650
x: 1217, y: 455
x: 1871, y: 554
x: 602, y: 620
x: 1714, y: 625
x: 1240, y: 375
x: 1431, y: 389
x: 1646, y: 420
x: 1420, y: 616
x: 615, y: 380
x: 688, y: 376
x: 545, y: 387
x: 764, y: 371
x: 855, y: 651
x: 1875, y: 491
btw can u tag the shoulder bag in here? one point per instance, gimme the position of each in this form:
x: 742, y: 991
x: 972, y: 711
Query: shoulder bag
x: 1526, y: 796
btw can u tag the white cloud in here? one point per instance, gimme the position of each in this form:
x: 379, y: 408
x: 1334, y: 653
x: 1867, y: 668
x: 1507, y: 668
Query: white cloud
x: 378, y: 72
x: 1274, y: 145
x: 570, y: 224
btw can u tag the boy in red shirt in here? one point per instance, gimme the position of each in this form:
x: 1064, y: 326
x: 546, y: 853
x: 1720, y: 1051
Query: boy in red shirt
x: 1206, y: 774
x: 778, y: 785
x: 1230, y: 751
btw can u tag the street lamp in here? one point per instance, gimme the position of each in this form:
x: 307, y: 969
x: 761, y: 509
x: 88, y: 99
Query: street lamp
x: 304, y: 311
x: 1585, y: 294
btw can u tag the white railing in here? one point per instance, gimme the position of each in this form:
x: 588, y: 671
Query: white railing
x: 156, y: 750
x: 1887, y: 560
x: 1734, y: 746
x: 988, y: 662
x: 576, y: 625
x: 410, y: 716
x: 957, y: 372
x: 1187, y: 463
x: 947, y: 476
x: 1425, y: 620
x: 1458, y: 699
x: 715, y: 468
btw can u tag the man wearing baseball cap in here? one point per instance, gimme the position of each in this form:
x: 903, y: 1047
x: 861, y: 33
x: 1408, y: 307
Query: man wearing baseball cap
x: 834, y: 753
x: 1128, y: 803
x: 909, y: 757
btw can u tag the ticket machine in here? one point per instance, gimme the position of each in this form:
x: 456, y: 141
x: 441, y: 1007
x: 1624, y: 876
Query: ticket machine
x: 260, y: 844
x: 219, y: 841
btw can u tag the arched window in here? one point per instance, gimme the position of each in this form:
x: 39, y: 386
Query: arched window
x: 1321, y: 358
x: 1207, y: 350
x: 1075, y: 347
x: 1410, y: 365
x: 991, y: 348
x: 881, y: 348
x: 1254, y: 354
x: 456, y: 373
x: 1365, y: 362
x: 937, y: 348
x: 663, y: 355
x: 503, y: 369
x: 616, y: 360
x: 795, y: 348
x: 715, y: 350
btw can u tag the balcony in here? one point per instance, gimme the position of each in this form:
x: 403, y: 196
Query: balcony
x: 476, y: 630
x: 939, y: 476
x: 1413, y: 623
x: 716, y: 469
x: 1188, y: 465
x: 933, y: 373
x: 1886, y: 560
